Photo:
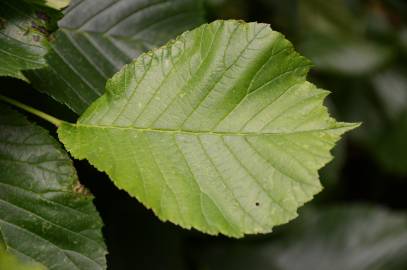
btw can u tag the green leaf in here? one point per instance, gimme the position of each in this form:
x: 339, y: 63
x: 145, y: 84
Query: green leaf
x: 403, y: 39
x: 9, y: 261
x: 390, y: 86
x: 335, y: 37
x: 218, y: 130
x: 97, y: 38
x: 390, y: 147
x: 338, y: 54
x: 57, y: 4
x: 381, y: 103
x: 24, y: 30
x: 46, y: 215
x: 337, y: 238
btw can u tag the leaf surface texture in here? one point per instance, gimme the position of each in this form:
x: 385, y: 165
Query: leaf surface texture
x: 96, y: 38
x: 218, y: 130
x: 46, y: 215
x: 9, y: 261
x: 23, y: 37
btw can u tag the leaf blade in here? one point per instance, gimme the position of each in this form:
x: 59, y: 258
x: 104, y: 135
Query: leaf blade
x: 359, y: 237
x: 96, y: 39
x: 24, y: 30
x: 8, y: 261
x: 56, y: 4
x: 226, y: 137
x: 46, y: 217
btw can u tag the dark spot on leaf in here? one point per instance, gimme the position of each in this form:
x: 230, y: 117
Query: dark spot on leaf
x: 79, y: 188
x: 51, y: 38
x: 42, y: 16
x: 43, y: 30
x: 39, y: 28
x: 257, y: 204
x: 36, y: 38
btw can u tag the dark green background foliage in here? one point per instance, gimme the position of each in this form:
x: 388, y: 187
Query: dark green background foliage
x: 359, y: 221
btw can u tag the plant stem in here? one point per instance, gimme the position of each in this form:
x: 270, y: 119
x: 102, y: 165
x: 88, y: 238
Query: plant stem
x: 57, y: 122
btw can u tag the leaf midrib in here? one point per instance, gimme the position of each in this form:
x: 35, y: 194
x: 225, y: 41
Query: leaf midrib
x: 206, y: 132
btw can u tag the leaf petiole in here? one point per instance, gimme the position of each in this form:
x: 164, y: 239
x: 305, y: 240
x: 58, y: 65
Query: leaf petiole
x: 57, y: 122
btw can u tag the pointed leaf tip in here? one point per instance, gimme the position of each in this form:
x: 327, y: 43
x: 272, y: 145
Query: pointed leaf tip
x: 218, y: 130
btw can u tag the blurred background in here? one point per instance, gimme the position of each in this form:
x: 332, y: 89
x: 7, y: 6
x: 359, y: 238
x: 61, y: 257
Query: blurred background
x: 358, y: 221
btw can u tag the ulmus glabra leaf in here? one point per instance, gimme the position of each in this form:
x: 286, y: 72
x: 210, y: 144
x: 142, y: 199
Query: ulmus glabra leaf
x: 218, y: 130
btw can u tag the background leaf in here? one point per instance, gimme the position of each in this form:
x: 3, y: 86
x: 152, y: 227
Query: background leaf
x: 97, y: 38
x: 217, y: 130
x: 358, y: 50
x: 358, y: 238
x: 390, y: 146
x: 46, y: 215
x: 58, y: 4
x: 24, y: 30
x: 335, y: 37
